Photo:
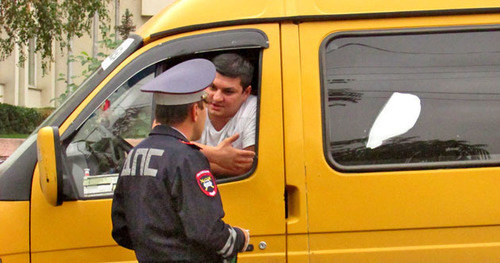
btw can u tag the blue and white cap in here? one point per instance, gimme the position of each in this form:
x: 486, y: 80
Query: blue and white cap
x: 183, y: 83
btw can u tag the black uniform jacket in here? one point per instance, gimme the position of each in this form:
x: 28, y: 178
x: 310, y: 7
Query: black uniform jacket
x: 166, y: 205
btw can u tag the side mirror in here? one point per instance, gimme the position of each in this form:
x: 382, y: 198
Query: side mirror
x: 49, y: 164
x: 398, y: 116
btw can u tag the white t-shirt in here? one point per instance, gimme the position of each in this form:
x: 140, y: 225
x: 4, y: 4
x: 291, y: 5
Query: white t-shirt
x: 243, y: 122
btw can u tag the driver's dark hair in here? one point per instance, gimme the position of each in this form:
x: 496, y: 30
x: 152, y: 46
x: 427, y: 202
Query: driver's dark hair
x: 233, y: 65
x: 174, y: 114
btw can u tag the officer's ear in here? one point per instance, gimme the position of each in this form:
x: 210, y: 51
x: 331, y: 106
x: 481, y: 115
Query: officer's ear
x: 155, y: 123
x: 193, y: 112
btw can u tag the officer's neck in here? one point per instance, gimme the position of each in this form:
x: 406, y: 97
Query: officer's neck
x: 184, y: 129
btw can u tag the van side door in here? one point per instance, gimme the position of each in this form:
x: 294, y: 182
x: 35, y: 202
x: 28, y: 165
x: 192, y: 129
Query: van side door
x: 402, y: 180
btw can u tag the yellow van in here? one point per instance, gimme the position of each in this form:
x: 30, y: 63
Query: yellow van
x: 378, y: 134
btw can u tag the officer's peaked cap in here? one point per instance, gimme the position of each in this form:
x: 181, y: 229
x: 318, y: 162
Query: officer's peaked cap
x: 183, y: 83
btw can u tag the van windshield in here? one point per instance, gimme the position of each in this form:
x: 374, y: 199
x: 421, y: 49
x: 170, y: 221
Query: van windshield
x: 62, y: 112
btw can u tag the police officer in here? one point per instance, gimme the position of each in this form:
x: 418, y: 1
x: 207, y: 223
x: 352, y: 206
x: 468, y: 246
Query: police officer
x: 166, y: 205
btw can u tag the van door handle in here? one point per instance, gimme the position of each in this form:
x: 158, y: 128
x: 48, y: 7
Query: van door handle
x: 249, y: 248
x: 292, y: 203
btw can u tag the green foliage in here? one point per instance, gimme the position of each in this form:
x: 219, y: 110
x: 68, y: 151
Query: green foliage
x: 14, y: 135
x: 70, y: 88
x: 20, y: 120
x: 45, y: 112
x: 47, y: 21
x: 127, y: 25
x: 91, y: 63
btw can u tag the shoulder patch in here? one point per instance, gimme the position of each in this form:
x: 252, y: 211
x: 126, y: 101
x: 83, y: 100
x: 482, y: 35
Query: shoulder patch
x: 206, y: 182
x: 190, y: 144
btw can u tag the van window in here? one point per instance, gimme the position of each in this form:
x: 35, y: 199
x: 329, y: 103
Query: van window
x: 448, y: 107
x: 95, y: 154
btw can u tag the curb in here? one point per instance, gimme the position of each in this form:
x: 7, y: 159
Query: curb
x: 8, y: 146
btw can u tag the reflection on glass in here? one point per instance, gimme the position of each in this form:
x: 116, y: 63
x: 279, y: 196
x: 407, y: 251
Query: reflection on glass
x: 398, y: 116
x: 98, y: 150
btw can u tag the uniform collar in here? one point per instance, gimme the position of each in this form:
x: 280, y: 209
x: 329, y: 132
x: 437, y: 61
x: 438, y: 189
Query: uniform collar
x: 169, y: 131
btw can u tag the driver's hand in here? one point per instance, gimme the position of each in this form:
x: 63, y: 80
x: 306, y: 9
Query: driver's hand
x: 234, y: 159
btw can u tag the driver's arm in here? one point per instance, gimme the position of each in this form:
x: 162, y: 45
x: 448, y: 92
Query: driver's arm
x: 242, y: 163
x: 225, y: 160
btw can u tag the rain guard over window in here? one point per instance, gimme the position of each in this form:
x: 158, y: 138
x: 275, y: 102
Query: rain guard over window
x: 412, y: 100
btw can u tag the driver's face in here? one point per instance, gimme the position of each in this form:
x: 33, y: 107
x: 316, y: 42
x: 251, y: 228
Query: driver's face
x: 226, y: 96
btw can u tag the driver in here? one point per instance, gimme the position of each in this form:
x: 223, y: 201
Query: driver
x: 228, y: 139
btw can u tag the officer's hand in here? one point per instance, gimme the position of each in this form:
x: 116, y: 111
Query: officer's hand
x: 234, y: 159
x: 246, y: 232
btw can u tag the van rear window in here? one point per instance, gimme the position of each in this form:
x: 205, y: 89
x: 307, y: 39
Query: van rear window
x: 408, y: 100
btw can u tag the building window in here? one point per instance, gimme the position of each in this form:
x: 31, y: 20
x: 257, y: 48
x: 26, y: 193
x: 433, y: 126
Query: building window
x: 31, y: 64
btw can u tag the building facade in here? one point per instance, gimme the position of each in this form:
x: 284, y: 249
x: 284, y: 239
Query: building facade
x: 27, y: 85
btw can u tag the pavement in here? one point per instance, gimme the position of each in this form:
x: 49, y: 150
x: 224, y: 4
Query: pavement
x: 8, y: 146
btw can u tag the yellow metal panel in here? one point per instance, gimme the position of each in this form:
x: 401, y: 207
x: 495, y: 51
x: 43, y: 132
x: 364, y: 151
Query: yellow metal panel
x: 297, y: 229
x: 76, y: 231
x: 185, y: 13
x: 385, y: 6
x: 273, y: 252
x: 192, y: 12
x: 85, y: 255
x: 467, y: 244
x: 16, y: 258
x: 297, y: 248
x: 74, y: 224
x: 14, y: 231
x: 294, y: 141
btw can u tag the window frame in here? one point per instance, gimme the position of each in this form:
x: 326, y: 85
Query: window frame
x: 324, y: 101
x: 196, y: 45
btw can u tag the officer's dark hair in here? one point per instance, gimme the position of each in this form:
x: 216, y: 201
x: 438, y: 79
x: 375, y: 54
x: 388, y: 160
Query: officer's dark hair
x: 174, y: 114
x: 233, y: 65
